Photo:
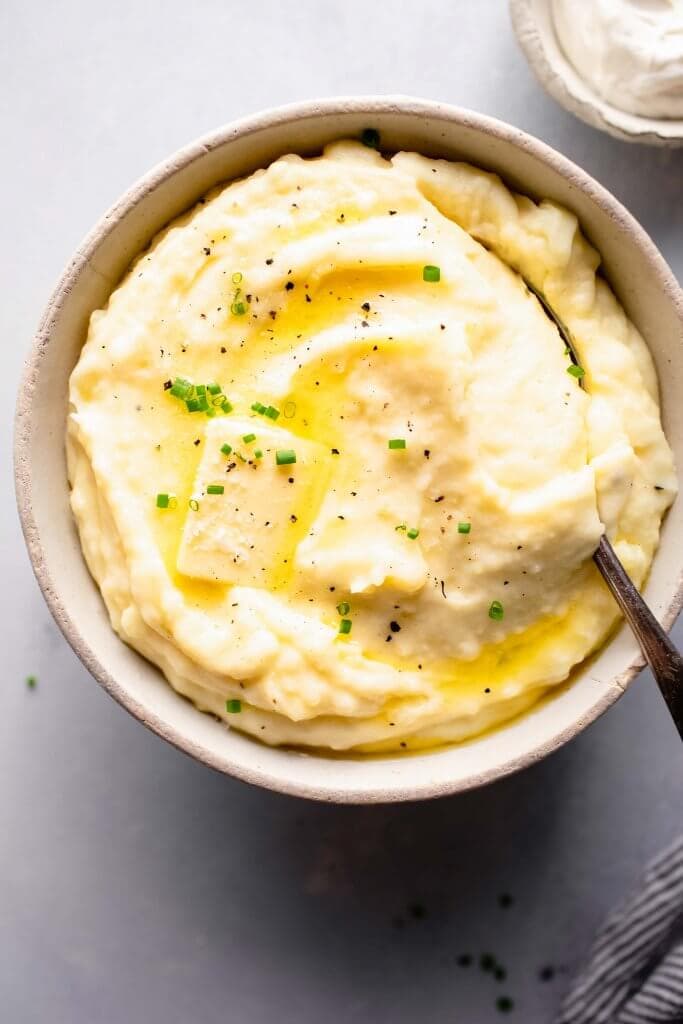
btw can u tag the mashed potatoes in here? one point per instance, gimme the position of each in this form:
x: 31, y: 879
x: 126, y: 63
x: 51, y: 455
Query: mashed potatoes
x: 329, y: 467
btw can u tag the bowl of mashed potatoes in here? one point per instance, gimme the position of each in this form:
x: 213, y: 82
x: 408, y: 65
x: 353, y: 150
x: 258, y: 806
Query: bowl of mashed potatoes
x: 306, y: 475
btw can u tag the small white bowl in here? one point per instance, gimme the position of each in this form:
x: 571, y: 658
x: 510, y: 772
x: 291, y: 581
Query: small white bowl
x: 532, y: 21
x: 637, y: 272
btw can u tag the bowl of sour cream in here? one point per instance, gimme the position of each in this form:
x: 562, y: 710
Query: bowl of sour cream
x: 616, y: 64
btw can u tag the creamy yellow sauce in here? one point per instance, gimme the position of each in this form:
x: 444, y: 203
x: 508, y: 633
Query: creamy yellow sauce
x: 464, y: 557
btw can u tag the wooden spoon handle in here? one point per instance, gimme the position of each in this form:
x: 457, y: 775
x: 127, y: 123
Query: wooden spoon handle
x: 661, y: 655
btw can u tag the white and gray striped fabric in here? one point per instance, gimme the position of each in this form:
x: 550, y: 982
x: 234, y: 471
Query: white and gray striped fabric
x: 634, y: 973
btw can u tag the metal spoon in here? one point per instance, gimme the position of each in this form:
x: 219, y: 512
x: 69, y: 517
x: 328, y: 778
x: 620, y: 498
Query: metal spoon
x: 659, y: 652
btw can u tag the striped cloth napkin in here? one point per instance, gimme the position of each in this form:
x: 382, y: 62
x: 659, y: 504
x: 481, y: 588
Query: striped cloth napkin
x: 634, y: 973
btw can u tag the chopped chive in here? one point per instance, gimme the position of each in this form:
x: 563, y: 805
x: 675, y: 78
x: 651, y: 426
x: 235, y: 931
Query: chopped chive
x: 226, y: 448
x: 215, y: 489
x: 248, y: 438
x: 192, y: 404
x: 464, y: 527
x: 345, y: 627
x: 181, y: 388
x: 343, y: 607
x: 194, y: 504
x: 285, y: 457
x: 211, y: 413
x: 397, y: 442
x: 200, y: 389
x: 576, y: 371
x: 233, y: 707
x: 203, y: 403
x: 431, y: 273
x: 31, y: 682
x: 370, y: 137
x: 265, y: 410
x: 163, y: 500
x: 413, y: 533
x: 496, y: 611
x: 236, y: 277
x: 226, y: 406
x: 213, y: 388
x: 217, y: 400
x: 238, y: 308
x: 258, y: 454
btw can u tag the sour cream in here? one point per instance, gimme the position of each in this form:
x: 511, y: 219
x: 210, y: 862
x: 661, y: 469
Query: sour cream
x: 629, y: 51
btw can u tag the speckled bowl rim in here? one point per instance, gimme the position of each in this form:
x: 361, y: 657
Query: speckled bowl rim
x: 578, y: 96
x: 25, y: 425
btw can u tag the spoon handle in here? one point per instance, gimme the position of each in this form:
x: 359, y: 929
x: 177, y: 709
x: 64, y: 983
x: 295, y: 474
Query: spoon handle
x: 661, y: 655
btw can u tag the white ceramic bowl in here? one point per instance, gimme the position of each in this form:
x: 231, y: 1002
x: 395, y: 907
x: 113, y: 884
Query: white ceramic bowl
x: 532, y: 21
x: 636, y: 270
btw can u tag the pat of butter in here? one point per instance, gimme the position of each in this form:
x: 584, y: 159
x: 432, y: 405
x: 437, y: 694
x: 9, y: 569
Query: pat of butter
x: 247, y: 533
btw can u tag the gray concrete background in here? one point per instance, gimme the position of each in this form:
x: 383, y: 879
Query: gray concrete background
x: 135, y: 885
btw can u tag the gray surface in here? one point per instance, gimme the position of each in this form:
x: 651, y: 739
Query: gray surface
x: 136, y: 885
